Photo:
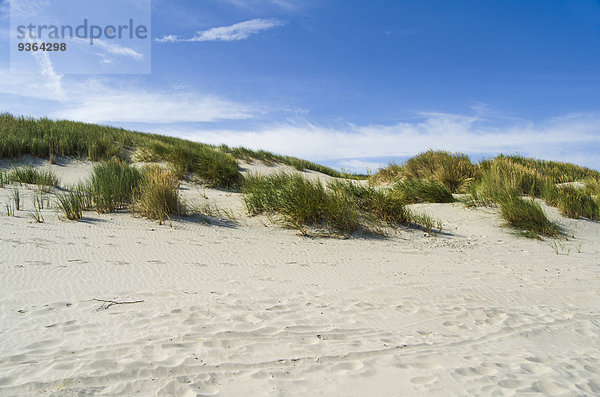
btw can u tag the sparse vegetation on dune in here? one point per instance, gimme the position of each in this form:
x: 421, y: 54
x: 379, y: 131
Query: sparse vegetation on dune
x: 29, y: 175
x: 338, y: 208
x: 502, y: 181
x: 72, y: 204
x: 114, y: 185
x: 196, y: 160
x: 269, y: 158
x: 215, y: 165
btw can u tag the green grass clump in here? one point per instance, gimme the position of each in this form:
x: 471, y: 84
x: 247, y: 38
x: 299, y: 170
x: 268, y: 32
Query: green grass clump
x: 30, y: 175
x: 592, y: 188
x: 455, y: 171
x: 427, y: 222
x: 4, y: 178
x: 44, y: 138
x: 204, y: 162
x: 299, y: 200
x: 389, y: 174
x: 342, y: 207
x: 527, y: 216
x: 16, y: 199
x: 503, y: 184
x: 218, y: 169
x: 503, y: 171
x: 378, y: 205
x: 558, y: 172
x: 72, y: 204
x: 112, y: 185
x: 158, y: 195
x: 574, y: 203
x: 423, y: 191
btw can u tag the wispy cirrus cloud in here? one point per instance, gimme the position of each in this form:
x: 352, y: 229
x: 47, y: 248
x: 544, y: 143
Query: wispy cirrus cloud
x: 238, y: 31
x: 113, y: 49
x: 102, y: 101
x: 562, y: 138
x: 109, y: 100
x: 133, y: 106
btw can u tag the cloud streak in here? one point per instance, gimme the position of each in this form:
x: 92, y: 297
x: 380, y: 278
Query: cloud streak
x: 235, y: 32
x: 96, y: 101
x: 562, y: 138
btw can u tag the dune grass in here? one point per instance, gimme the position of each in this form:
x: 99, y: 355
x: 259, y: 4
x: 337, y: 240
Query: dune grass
x: 152, y: 192
x: 574, y: 202
x: 390, y: 174
x: 71, y: 204
x: 341, y: 207
x: 112, y: 185
x: 245, y: 154
x: 199, y: 161
x: 502, y: 182
x: 423, y: 191
x: 44, y: 137
x: 378, y: 205
x: 526, y: 216
x: 299, y: 201
x: 454, y: 171
x: 29, y: 175
x: 215, y: 165
x: 16, y: 198
x: 157, y: 197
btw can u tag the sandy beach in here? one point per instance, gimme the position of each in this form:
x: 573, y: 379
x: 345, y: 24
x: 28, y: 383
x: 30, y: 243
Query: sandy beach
x: 245, y: 307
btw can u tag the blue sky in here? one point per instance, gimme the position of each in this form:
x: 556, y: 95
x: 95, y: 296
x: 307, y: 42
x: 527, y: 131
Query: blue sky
x: 349, y: 83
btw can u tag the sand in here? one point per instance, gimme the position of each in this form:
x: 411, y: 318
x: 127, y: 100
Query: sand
x: 248, y: 308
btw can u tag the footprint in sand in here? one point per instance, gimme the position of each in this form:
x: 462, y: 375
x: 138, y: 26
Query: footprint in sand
x: 347, y: 366
x: 423, y: 380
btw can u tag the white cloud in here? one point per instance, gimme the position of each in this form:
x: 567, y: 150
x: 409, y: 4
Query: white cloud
x: 97, y: 101
x: 110, y: 105
x: 238, y: 31
x: 112, y: 48
x: 167, y: 39
x: 561, y: 138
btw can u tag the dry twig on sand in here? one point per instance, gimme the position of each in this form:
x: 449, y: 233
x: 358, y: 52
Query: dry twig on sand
x: 106, y: 304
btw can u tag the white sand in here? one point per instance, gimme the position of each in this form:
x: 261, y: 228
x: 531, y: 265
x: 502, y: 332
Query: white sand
x: 248, y: 309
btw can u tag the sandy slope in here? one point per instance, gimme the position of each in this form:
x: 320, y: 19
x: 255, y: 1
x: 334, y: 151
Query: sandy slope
x: 245, y: 309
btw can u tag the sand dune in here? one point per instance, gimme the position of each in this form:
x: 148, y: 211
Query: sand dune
x: 249, y: 308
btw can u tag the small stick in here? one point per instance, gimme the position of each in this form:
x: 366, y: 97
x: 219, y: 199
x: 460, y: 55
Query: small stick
x: 110, y: 303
